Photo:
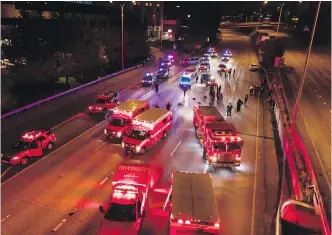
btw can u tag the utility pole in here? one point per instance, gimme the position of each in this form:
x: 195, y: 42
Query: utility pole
x: 299, y: 94
x: 279, y: 18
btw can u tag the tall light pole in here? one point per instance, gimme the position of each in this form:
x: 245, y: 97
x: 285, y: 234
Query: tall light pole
x: 299, y: 93
x: 122, y: 5
x: 282, y: 6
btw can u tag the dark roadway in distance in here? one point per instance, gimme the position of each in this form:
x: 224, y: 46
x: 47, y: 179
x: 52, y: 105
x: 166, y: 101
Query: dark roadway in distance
x: 246, y: 195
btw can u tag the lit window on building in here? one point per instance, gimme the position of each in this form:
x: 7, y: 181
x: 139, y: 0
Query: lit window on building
x: 158, y: 5
x: 134, y: 3
x: 146, y: 4
x: 150, y: 4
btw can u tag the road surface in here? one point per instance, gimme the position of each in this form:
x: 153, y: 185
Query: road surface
x: 314, y: 115
x: 70, y: 112
x: 70, y: 177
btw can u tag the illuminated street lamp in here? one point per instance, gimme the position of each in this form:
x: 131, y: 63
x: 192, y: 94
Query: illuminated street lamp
x: 122, y: 30
x: 178, y: 6
x: 188, y: 16
x: 265, y: 2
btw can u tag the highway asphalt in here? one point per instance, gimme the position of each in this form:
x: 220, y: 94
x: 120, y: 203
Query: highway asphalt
x: 70, y: 112
x: 38, y: 199
x: 313, y: 119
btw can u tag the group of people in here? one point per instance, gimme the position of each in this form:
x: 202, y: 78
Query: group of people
x: 228, y: 73
x: 239, y: 103
x: 168, y: 106
x: 215, y: 92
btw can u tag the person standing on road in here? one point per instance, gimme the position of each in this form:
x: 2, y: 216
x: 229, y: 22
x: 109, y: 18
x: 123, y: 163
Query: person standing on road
x: 168, y: 106
x: 196, y: 79
x: 233, y: 73
x: 246, y: 99
x: 229, y: 109
x: 238, y: 105
x: 157, y: 88
x: 184, y: 92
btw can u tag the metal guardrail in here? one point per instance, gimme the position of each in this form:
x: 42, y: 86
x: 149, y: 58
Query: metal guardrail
x: 48, y: 99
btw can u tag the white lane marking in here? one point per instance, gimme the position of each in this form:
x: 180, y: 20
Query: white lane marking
x: 99, y: 146
x: 64, y: 122
x: 253, y: 211
x: 59, y: 225
x: 5, y: 218
x: 56, y: 150
x: 176, y: 147
x: 5, y: 172
x: 103, y: 181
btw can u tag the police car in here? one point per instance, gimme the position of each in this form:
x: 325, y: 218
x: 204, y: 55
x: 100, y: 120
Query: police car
x: 149, y: 79
x: 162, y: 73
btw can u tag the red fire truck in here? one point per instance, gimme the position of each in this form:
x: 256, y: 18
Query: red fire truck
x: 120, y: 122
x: 127, y: 206
x: 192, y: 204
x: 221, y: 145
x: 148, y: 128
x: 203, y: 115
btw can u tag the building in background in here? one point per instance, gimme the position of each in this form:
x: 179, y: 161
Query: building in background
x: 151, y: 15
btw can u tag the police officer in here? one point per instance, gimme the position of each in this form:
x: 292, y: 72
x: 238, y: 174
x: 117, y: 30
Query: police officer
x: 229, y: 109
x: 157, y: 88
x: 245, y: 99
x: 157, y: 106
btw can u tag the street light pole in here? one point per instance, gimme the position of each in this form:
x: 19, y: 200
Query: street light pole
x: 299, y: 94
x: 122, y: 32
x: 279, y: 18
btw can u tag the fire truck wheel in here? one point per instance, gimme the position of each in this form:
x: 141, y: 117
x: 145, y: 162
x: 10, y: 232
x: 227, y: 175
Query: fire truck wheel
x: 165, y: 135
x: 50, y: 146
x: 24, y: 161
x: 204, y: 154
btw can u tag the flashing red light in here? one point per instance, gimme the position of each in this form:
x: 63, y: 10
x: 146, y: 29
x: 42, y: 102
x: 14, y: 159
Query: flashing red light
x: 217, y: 225
x: 180, y: 221
x: 187, y: 222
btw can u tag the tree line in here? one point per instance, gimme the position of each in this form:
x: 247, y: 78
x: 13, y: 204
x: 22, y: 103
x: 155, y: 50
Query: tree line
x: 42, y: 50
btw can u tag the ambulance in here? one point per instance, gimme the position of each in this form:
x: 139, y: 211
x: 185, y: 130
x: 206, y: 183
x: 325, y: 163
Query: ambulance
x: 119, y: 124
x: 204, y: 115
x: 126, y: 208
x: 221, y: 145
x: 147, y: 129
x: 192, y: 204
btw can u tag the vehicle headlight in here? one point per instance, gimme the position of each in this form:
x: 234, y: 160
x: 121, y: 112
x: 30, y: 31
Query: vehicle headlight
x: 123, y: 144
x: 138, y: 149
x: 213, y: 158
x: 118, y: 134
x: 105, y: 131
x: 15, y: 158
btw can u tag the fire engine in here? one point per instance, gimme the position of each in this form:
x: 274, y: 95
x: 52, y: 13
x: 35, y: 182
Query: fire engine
x: 31, y: 144
x: 119, y: 124
x: 193, y: 206
x: 148, y: 128
x: 127, y: 206
x: 204, y: 115
x: 221, y: 145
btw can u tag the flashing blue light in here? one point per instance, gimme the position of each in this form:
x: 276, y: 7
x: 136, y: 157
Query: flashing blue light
x: 170, y: 56
x: 148, y: 74
x: 162, y: 63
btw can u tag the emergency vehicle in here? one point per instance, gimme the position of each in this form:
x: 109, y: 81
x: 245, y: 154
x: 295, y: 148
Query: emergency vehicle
x: 119, y: 124
x: 193, y: 70
x: 127, y: 206
x: 228, y: 53
x: 103, y: 103
x: 212, y: 50
x: 193, y: 206
x: 221, y: 145
x: 149, y: 79
x: 204, y: 66
x: 171, y: 58
x: 223, y: 68
x: 162, y: 73
x: 185, y: 80
x: 148, y: 128
x: 31, y: 144
x: 204, y: 115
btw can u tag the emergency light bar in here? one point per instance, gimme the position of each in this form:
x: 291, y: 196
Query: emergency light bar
x: 170, y: 57
x: 31, y: 135
x: 148, y: 74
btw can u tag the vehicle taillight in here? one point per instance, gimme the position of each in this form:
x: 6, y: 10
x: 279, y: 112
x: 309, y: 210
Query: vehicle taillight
x: 217, y: 225
x: 180, y: 221
x: 237, y: 157
x: 187, y: 222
